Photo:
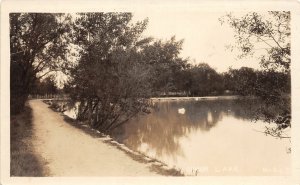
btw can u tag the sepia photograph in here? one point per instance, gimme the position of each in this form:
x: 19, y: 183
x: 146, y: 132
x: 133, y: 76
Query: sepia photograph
x: 149, y: 93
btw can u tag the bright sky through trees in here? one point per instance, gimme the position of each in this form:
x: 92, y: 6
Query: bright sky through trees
x: 205, y: 39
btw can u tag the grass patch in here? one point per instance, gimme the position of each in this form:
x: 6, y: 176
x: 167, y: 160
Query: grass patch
x: 23, y: 160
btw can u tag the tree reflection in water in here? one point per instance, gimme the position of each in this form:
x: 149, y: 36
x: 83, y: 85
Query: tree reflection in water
x: 160, y: 131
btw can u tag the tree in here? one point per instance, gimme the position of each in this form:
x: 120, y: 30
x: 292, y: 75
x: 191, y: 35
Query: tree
x: 110, y: 82
x: 165, y: 65
x: 118, y: 69
x: 271, y: 33
x: 45, y: 86
x: 38, y: 44
x: 242, y: 80
x: 202, y: 80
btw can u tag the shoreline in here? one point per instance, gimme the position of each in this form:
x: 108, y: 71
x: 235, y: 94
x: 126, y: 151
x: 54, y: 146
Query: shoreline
x: 157, y: 166
x: 197, y: 98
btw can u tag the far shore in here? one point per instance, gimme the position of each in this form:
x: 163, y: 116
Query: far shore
x: 196, y: 98
x: 174, y: 98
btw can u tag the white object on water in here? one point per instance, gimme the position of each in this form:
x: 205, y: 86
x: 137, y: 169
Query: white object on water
x: 209, y: 117
x: 181, y: 111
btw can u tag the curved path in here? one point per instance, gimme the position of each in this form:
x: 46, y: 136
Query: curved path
x: 70, y: 152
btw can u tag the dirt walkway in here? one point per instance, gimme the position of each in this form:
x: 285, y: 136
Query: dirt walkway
x: 70, y: 152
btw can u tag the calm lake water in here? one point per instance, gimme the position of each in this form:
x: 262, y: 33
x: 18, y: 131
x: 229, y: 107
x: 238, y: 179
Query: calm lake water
x: 207, y: 137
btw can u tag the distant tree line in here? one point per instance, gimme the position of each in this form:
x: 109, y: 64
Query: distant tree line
x: 44, y: 87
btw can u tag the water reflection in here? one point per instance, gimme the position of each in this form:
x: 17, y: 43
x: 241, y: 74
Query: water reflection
x: 164, y: 126
x: 179, y: 139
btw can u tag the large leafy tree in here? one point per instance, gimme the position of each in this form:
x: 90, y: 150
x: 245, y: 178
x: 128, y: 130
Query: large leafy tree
x: 242, y: 81
x: 38, y: 45
x: 118, y: 69
x: 109, y: 80
x: 165, y: 65
x: 205, y: 80
x: 267, y: 35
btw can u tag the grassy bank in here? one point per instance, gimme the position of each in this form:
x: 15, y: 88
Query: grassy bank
x: 24, y: 162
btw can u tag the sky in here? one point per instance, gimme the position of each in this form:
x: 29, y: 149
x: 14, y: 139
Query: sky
x: 205, y: 39
x: 204, y: 36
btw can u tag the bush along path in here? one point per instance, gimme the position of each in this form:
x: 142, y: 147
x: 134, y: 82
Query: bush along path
x: 70, y: 151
